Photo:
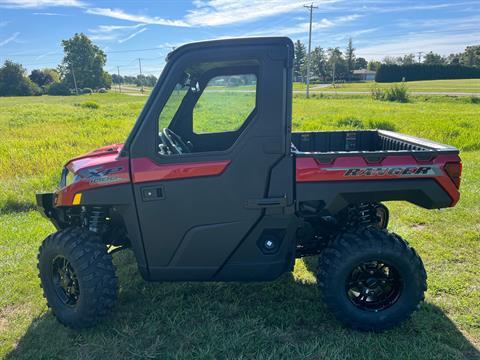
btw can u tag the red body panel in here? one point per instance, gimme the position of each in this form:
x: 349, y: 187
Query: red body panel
x: 103, y: 167
x: 144, y: 169
x: 356, y: 168
x: 94, y: 172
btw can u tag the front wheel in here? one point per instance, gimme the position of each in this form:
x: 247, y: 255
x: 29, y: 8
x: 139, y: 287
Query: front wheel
x: 371, y: 279
x: 77, y: 276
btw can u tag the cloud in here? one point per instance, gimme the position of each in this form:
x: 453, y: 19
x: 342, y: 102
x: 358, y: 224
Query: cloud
x: 9, y: 39
x: 390, y: 8
x: 304, y: 27
x: 440, y: 42
x: 214, y: 12
x: 47, y: 54
x: 120, y: 33
x: 121, y: 41
x: 223, y: 12
x: 48, y: 14
x: 145, y: 19
x: 40, y: 3
x: 4, y: 23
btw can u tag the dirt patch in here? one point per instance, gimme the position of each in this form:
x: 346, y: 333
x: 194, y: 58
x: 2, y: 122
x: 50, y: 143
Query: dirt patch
x: 419, y: 226
x: 8, y: 312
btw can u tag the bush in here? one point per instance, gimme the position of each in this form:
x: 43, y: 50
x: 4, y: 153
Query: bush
x: 377, y: 93
x: 351, y: 122
x: 475, y: 99
x: 397, y: 93
x: 13, y: 81
x: 88, y: 105
x: 382, y: 125
x: 414, y: 72
x: 58, y: 89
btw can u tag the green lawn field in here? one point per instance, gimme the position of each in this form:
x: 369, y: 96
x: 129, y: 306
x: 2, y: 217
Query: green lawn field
x: 283, y: 319
x: 443, y: 86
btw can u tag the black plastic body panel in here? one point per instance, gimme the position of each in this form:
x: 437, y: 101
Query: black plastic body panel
x: 337, y: 195
x: 45, y: 204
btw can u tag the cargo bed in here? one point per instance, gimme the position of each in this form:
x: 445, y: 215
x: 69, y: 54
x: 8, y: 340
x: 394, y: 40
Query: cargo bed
x: 367, y: 143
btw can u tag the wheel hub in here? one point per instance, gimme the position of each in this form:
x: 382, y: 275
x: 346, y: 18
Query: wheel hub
x: 65, y: 281
x: 374, y: 285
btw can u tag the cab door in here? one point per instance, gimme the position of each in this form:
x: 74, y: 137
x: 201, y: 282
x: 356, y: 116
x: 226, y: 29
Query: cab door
x: 228, y: 101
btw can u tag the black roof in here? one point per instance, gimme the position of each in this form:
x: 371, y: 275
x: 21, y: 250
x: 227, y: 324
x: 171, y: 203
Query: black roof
x: 272, y: 40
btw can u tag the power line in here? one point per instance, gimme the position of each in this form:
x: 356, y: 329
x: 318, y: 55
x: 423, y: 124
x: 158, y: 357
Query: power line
x: 310, y: 7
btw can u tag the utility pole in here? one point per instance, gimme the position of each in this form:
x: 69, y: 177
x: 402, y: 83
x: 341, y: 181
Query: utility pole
x: 74, y: 80
x: 119, y: 80
x: 333, y: 69
x: 420, y: 53
x: 140, y: 65
x: 310, y: 7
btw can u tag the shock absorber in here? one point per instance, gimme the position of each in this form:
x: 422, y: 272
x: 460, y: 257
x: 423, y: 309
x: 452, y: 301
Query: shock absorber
x: 365, y: 211
x: 96, y: 219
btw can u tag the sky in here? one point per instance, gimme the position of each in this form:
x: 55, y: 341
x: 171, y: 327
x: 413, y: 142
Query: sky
x: 31, y: 30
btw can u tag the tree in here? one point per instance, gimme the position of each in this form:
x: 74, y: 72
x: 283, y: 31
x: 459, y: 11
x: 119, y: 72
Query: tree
x: 373, y: 65
x: 408, y: 59
x: 434, y: 59
x: 44, y: 77
x: 471, y: 56
x: 350, y: 58
x: 360, y: 63
x: 85, y: 61
x: 319, y: 63
x: 390, y: 60
x: 117, y: 79
x: 336, y: 64
x: 454, y: 59
x: 300, y: 56
x: 14, y: 82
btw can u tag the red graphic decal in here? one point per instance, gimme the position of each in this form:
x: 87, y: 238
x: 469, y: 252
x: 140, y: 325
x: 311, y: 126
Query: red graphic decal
x: 144, y: 169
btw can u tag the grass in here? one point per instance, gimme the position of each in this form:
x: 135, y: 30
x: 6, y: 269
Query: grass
x: 443, y: 86
x: 283, y: 319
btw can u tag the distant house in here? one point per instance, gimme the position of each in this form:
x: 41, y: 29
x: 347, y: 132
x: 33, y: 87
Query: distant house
x: 364, y: 74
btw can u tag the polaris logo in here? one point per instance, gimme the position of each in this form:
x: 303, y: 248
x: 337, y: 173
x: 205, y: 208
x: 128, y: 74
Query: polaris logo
x: 391, y: 171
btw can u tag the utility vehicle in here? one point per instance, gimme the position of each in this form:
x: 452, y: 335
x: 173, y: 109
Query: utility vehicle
x: 212, y: 185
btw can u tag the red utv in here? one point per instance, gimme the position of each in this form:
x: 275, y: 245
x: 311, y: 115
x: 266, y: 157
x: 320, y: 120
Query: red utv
x: 212, y: 185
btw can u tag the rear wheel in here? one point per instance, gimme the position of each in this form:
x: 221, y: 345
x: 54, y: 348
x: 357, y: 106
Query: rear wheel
x: 371, y: 279
x: 77, y: 276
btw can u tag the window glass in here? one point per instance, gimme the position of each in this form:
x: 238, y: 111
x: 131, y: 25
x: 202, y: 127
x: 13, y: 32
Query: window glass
x: 172, y: 105
x: 225, y: 104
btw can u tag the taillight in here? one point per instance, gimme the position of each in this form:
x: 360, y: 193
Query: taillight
x: 454, y: 171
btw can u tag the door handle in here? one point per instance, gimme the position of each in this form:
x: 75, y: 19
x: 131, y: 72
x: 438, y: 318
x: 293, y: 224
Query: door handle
x: 266, y: 203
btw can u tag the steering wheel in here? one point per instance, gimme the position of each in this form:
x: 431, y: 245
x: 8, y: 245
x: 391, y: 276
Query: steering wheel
x: 175, y: 142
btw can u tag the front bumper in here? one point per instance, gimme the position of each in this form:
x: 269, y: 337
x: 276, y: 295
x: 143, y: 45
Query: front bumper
x: 45, y: 204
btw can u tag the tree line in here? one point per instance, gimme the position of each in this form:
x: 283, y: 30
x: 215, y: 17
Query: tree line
x: 81, y: 71
x: 333, y: 64
x: 139, y: 80
x: 326, y: 64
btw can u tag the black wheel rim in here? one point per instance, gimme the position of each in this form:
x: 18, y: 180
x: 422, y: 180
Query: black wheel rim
x: 374, y: 285
x: 65, y: 281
